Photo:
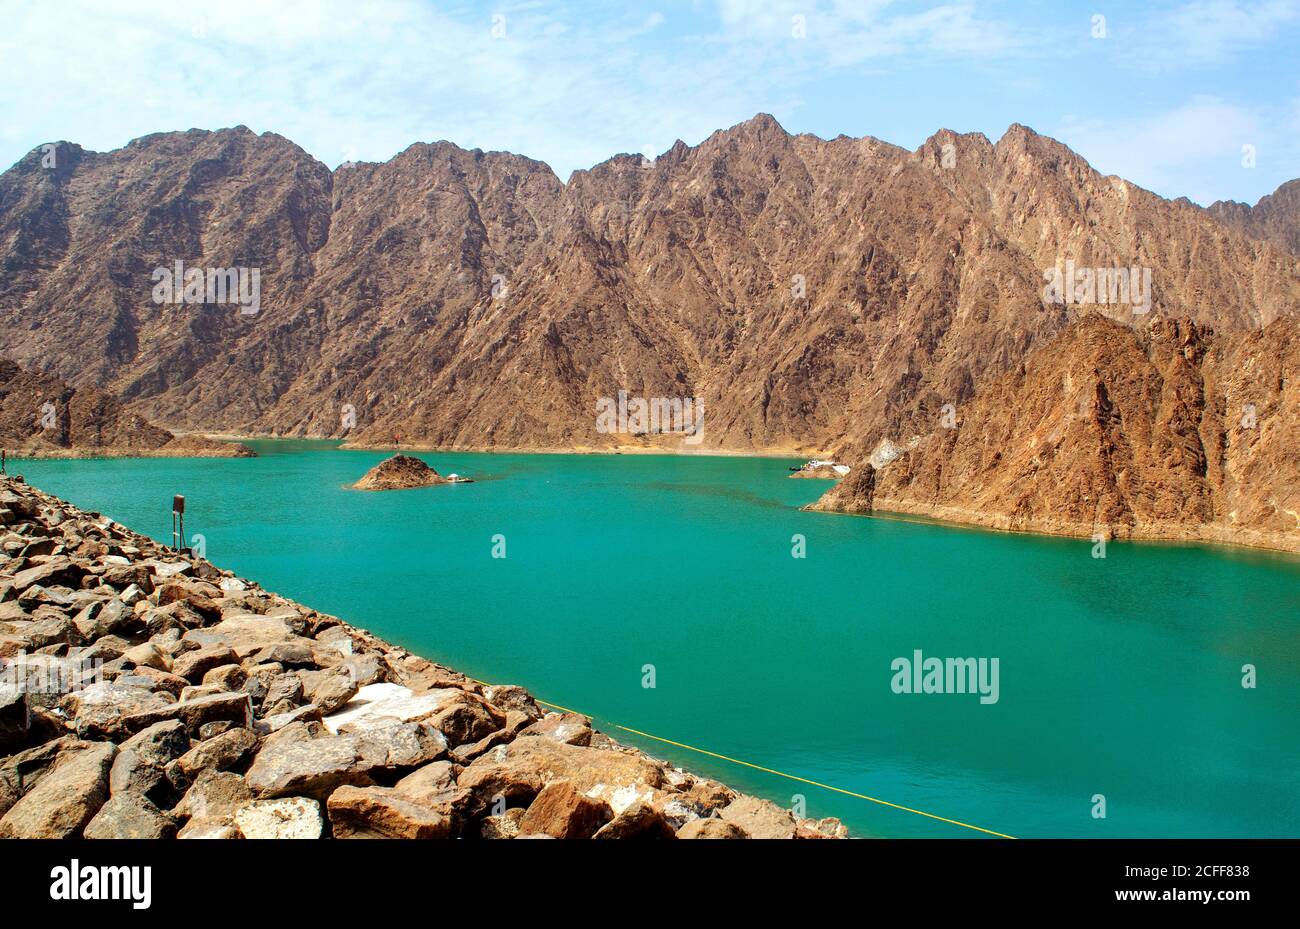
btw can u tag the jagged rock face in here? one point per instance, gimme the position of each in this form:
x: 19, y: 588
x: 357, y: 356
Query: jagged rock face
x: 1275, y: 219
x: 816, y: 294
x: 401, y: 472
x: 42, y: 415
x: 1168, y: 432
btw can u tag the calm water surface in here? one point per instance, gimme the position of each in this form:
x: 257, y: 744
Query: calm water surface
x: 1119, y: 677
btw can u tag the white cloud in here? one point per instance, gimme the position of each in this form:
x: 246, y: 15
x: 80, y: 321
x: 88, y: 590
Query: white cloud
x: 1212, y: 30
x: 1176, y: 152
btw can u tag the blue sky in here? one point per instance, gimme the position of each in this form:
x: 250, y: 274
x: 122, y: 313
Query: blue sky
x: 1167, y: 97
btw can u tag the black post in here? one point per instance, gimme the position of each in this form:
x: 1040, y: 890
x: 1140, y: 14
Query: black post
x: 178, y: 522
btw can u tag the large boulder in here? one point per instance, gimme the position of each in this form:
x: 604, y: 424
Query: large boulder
x: 761, y: 819
x: 227, y: 750
x: 562, y: 812
x: 195, y: 713
x: 381, y: 812
x: 245, y: 634
x: 387, y: 742
x: 519, y: 770
x: 66, y: 798
x: 55, y: 571
x: 20, y: 773
x: 294, y: 763
x: 569, y: 728
x: 192, y: 665
x: 130, y: 816
x: 215, y: 795
x: 161, y: 743
x: 392, y: 700
x: 467, y: 718
x: 330, y: 689
x: 640, y: 820
x: 132, y: 774
x: 99, y: 711
x: 711, y: 829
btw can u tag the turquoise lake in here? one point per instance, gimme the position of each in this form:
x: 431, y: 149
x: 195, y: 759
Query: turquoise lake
x: 1119, y: 676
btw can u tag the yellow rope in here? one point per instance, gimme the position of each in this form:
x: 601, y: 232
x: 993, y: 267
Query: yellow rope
x: 793, y: 777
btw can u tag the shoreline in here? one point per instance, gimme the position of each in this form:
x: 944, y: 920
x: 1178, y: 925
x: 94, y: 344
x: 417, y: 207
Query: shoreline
x: 222, y: 710
x: 346, y: 446
x: 898, y: 512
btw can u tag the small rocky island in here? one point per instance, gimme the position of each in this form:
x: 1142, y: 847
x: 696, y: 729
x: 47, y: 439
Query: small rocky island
x: 402, y: 472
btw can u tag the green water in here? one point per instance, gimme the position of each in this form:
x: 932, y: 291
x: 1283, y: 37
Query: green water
x: 1119, y: 677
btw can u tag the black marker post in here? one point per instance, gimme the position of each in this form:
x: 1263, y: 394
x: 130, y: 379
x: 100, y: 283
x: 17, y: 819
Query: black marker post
x: 178, y: 522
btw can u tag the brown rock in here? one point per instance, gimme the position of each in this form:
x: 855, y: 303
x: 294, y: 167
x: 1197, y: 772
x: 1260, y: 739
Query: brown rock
x: 761, y: 819
x: 195, y: 713
x: 210, y: 829
x: 519, y: 770
x: 568, y: 728
x: 330, y: 689
x: 711, y: 829
x: 640, y: 820
x: 130, y: 816
x: 304, y: 766
x: 504, y: 826
x: 66, y: 798
x: 101, y: 710
x: 227, y: 677
x: 380, y: 812
x: 401, y: 472
x: 214, y: 795
x: 228, y: 750
x: 194, y: 664
x: 560, y: 811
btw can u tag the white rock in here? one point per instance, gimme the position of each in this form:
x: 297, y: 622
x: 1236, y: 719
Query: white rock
x: 289, y: 818
x: 379, y: 700
x: 132, y: 595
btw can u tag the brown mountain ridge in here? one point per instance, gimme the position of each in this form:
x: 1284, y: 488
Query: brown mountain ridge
x: 816, y: 295
x: 42, y: 416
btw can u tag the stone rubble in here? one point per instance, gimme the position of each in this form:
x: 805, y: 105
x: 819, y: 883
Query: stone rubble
x: 145, y: 693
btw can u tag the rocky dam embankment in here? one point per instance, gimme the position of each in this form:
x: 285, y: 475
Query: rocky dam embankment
x: 146, y: 693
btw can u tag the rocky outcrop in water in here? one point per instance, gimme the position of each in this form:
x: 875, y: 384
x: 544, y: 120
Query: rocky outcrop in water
x: 41, y: 416
x: 145, y: 693
x: 401, y: 472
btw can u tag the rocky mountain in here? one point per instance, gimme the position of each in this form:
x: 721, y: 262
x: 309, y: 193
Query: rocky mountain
x: 814, y: 294
x: 1275, y: 218
x: 793, y: 294
x: 43, y: 416
x: 1166, y: 431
